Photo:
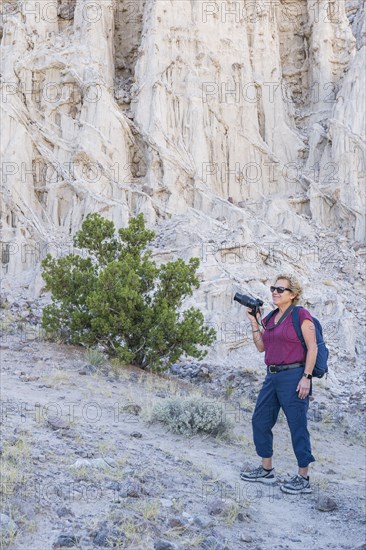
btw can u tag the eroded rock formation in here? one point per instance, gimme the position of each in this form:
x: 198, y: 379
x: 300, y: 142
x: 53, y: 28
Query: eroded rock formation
x: 236, y: 127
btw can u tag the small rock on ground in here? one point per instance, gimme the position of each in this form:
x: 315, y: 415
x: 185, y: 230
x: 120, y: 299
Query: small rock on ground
x: 164, y: 545
x: 325, y: 504
x: 66, y: 541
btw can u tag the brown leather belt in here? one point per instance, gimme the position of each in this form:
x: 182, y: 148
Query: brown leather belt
x: 279, y: 368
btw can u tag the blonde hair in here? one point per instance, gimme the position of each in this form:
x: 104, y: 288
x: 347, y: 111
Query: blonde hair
x: 293, y: 284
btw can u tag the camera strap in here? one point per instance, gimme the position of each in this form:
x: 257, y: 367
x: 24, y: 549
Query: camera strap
x: 283, y: 317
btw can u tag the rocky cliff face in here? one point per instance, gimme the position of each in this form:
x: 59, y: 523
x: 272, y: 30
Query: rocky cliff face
x: 236, y: 127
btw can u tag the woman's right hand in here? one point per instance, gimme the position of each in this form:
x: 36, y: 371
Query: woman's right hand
x: 253, y: 320
x: 256, y: 329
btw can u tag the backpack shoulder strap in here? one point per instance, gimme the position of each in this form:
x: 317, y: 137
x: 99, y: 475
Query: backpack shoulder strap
x: 269, y: 316
x: 297, y: 325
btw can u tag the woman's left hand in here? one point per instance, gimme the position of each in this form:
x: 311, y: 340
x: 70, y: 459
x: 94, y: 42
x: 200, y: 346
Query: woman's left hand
x: 303, y: 387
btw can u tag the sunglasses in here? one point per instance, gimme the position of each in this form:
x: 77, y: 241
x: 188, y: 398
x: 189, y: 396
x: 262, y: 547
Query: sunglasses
x: 280, y: 289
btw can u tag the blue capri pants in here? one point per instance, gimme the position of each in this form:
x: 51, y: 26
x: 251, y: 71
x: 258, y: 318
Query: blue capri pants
x: 279, y: 391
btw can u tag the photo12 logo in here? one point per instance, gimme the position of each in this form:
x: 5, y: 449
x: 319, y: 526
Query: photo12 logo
x: 250, y: 173
x: 267, y: 252
x: 63, y: 415
x: 274, y: 11
x: 48, y: 492
x: 53, y: 92
x: 87, y: 172
x: 48, y: 11
x: 236, y: 92
x: 89, y: 11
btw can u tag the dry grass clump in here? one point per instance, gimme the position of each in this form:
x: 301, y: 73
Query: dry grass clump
x: 96, y: 358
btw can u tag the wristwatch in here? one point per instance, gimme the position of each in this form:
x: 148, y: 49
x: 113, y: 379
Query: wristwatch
x: 308, y: 376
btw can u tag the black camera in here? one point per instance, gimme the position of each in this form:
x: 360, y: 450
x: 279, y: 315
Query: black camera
x: 253, y: 303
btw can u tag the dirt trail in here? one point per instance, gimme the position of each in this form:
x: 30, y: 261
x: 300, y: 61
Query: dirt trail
x: 156, y: 486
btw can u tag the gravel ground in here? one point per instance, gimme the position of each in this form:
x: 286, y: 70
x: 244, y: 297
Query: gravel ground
x: 83, y: 466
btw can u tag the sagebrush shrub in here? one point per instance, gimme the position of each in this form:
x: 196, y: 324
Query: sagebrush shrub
x: 192, y: 416
x: 117, y: 298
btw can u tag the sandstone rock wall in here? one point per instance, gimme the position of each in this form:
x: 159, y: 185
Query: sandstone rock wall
x: 238, y: 130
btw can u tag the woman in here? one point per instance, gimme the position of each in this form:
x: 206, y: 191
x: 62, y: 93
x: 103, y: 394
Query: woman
x: 287, y: 384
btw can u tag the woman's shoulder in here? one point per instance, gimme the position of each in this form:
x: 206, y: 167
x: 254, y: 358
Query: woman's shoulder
x: 270, y: 316
x: 304, y: 314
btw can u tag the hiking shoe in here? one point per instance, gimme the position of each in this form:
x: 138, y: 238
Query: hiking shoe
x: 260, y: 475
x: 296, y: 485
